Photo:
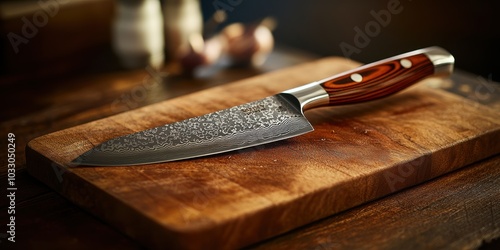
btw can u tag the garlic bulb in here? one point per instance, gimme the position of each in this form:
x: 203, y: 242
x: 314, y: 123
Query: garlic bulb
x: 198, y: 52
x: 249, y: 44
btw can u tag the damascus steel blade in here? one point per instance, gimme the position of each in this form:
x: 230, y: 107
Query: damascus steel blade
x: 271, y: 119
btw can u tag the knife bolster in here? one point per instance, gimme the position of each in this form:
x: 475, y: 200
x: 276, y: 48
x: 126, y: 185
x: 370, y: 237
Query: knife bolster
x: 310, y: 96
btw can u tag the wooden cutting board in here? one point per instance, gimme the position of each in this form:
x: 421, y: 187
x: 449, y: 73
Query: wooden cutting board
x: 356, y: 154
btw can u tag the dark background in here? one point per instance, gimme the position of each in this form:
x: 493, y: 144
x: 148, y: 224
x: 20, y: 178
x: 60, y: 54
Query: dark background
x: 470, y: 30
x: 77, y: 39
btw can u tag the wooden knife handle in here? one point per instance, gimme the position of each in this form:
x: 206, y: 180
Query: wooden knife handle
x: 386, y: 77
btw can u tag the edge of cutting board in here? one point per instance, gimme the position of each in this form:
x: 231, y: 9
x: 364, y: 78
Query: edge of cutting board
x: 50, y: 165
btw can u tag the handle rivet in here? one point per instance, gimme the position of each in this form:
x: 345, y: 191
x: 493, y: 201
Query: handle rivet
x: 405, y: 63
x: 356, y: 77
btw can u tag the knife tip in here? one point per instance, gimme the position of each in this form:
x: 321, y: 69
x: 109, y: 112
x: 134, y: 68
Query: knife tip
x: 81, y: 160
x: 76, y: 162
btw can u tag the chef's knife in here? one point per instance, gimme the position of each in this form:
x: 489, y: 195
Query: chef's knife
x: 271, y: 119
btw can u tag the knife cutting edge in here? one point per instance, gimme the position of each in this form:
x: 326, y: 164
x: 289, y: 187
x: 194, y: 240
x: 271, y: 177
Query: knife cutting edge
x: 271, y: 119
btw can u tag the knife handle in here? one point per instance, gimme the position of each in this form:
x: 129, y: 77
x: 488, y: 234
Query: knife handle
x: 386, y: 77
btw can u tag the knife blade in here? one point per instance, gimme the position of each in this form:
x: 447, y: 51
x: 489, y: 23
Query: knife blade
x: 270, y: 119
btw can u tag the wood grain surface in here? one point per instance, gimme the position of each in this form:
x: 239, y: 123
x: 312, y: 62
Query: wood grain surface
x: 410, y: 219
x: 356, y: 154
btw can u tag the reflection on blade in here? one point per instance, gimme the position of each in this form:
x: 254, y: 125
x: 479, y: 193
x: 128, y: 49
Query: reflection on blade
x: 271, y: 119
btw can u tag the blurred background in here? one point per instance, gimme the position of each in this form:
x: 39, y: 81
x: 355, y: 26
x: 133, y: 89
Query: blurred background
x: 77, y: 36
x: 470, y: 30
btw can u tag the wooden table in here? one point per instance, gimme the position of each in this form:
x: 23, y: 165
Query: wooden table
x: 458, y: 210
